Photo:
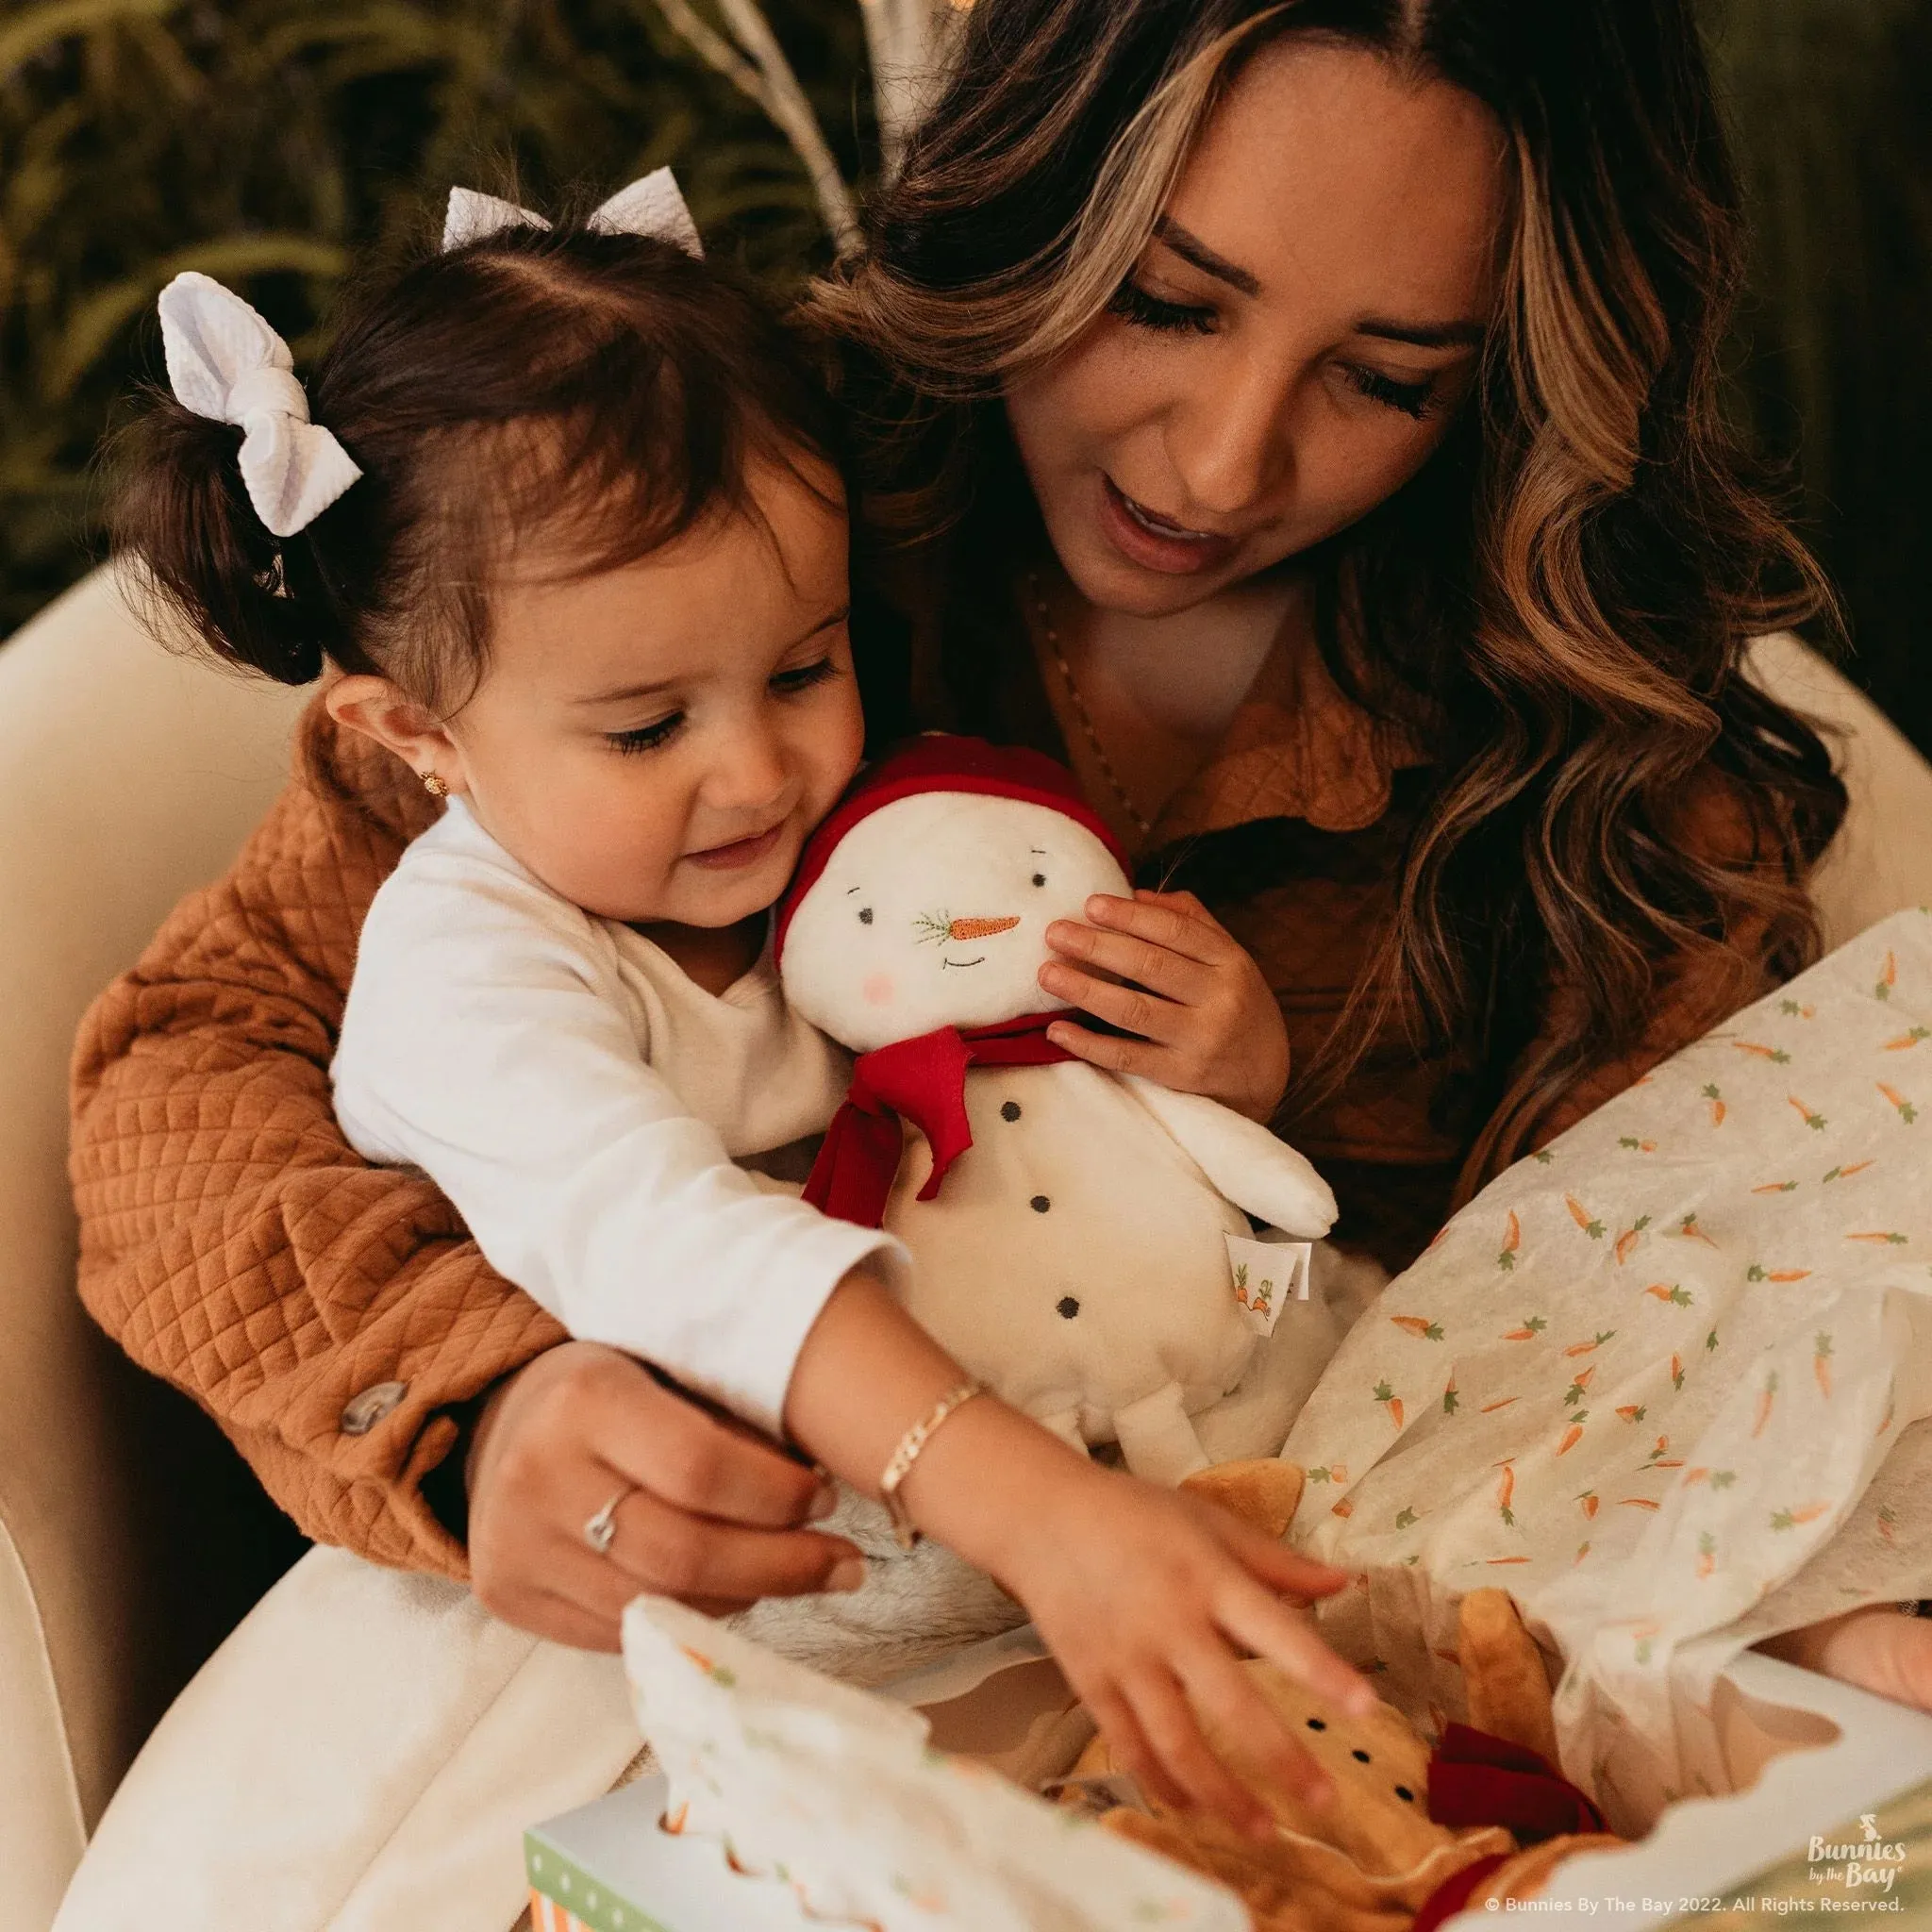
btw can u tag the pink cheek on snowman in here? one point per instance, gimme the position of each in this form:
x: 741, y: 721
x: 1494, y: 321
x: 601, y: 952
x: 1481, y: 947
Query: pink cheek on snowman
x: 878, y: 990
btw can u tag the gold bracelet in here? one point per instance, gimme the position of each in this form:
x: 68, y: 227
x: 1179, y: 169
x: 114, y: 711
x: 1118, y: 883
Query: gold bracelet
x: 907, y: 1454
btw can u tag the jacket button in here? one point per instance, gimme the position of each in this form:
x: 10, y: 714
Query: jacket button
x: 365, y: 1410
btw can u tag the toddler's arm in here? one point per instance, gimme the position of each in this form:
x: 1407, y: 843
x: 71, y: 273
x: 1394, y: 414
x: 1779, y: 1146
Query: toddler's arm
x: 487, y: 1041
x: 1145, y: 1595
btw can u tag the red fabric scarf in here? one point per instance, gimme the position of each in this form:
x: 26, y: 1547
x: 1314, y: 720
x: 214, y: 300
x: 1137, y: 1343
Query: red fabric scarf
x: 921, y: 1080
x: 1478, y: 1779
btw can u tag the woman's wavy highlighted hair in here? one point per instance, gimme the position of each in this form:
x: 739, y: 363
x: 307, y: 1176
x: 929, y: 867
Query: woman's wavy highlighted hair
x: 1558, y: 607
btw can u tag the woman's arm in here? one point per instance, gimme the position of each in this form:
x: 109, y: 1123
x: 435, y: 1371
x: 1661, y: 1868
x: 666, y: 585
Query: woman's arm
x: 327, y: 1315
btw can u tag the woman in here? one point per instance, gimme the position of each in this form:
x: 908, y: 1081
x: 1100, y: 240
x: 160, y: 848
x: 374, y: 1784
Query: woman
x: 1317, y: 407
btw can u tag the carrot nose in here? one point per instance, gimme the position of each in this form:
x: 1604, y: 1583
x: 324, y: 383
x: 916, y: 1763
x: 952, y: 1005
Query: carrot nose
x: 980, y: 928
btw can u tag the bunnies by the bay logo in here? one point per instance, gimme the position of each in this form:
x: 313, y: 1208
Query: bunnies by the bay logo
x: 1867, y: 1862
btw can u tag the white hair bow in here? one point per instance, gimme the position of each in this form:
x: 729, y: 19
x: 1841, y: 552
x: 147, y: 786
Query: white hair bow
x: 651, y: 205
x: 225, y: 362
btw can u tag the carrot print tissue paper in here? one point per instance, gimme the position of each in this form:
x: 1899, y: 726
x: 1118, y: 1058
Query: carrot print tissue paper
x: 1666, y: 1381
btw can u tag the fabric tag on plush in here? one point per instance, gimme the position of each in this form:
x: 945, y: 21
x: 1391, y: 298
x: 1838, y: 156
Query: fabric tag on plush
x: 1266, y: 1273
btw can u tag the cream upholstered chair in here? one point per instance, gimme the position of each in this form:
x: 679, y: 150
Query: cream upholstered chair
x: 129, y: 1538
x: 127, y: 1531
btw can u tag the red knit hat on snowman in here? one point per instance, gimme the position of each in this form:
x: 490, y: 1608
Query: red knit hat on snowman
x: 939, y: 762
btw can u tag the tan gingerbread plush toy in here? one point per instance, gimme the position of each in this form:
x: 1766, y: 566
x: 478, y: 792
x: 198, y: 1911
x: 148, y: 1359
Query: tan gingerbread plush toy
x: 1412, y: 1835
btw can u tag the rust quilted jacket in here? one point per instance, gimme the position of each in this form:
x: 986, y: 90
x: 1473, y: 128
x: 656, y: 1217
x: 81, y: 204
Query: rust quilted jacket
x: 230, y: 1239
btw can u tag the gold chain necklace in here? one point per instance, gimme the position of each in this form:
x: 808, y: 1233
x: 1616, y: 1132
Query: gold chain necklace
x: 1080, y: 710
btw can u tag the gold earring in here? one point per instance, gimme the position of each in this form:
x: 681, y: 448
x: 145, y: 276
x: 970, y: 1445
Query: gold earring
x: 434, y: 785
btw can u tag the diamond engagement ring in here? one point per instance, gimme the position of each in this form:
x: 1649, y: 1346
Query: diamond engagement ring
x: 601, y: 1530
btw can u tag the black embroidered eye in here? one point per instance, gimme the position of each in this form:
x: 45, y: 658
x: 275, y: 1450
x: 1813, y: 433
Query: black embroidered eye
x: 1360, y: 1757
x: 1039, y: 878
x: 1403, y: 1793
x: 1316, y: 1724
x: 865, y: 915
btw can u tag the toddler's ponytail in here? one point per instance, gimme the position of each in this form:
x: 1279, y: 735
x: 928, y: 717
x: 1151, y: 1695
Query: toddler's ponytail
x: 579, y: 391
x: 200, y: 551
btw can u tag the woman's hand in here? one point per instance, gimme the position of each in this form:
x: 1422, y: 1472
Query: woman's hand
x: 1148, y: 1597
x: 1205, y: 1020
x: 712, y: 1513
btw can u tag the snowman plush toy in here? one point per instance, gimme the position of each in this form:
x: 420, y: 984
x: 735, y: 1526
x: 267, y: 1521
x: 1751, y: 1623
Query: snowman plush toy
x: 1083, y: 1241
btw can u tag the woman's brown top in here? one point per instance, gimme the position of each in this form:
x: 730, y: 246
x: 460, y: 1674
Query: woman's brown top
x: 331, y: 1315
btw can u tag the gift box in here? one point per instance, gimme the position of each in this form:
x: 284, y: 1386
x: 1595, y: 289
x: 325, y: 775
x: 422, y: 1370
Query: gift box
x: 950, y: 1746
x: 794, y: 1800
x: 1824, y: 1769
x: 1818, y: 1767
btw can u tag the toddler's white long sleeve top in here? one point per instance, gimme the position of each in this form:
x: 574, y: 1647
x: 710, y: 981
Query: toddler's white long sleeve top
x: 583, y: 1103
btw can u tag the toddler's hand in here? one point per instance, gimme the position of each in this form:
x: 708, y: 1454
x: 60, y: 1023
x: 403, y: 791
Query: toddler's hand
x: 1206, y: 1021
x: 1146, y: 1596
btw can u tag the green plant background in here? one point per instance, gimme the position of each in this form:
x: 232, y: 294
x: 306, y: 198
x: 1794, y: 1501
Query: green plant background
x: 268, y: 142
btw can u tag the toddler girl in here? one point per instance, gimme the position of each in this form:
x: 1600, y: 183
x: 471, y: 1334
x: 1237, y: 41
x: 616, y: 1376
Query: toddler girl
x: 568, y: 526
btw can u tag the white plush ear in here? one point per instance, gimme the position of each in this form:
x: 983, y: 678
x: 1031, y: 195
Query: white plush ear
x: 1260, y: 1175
